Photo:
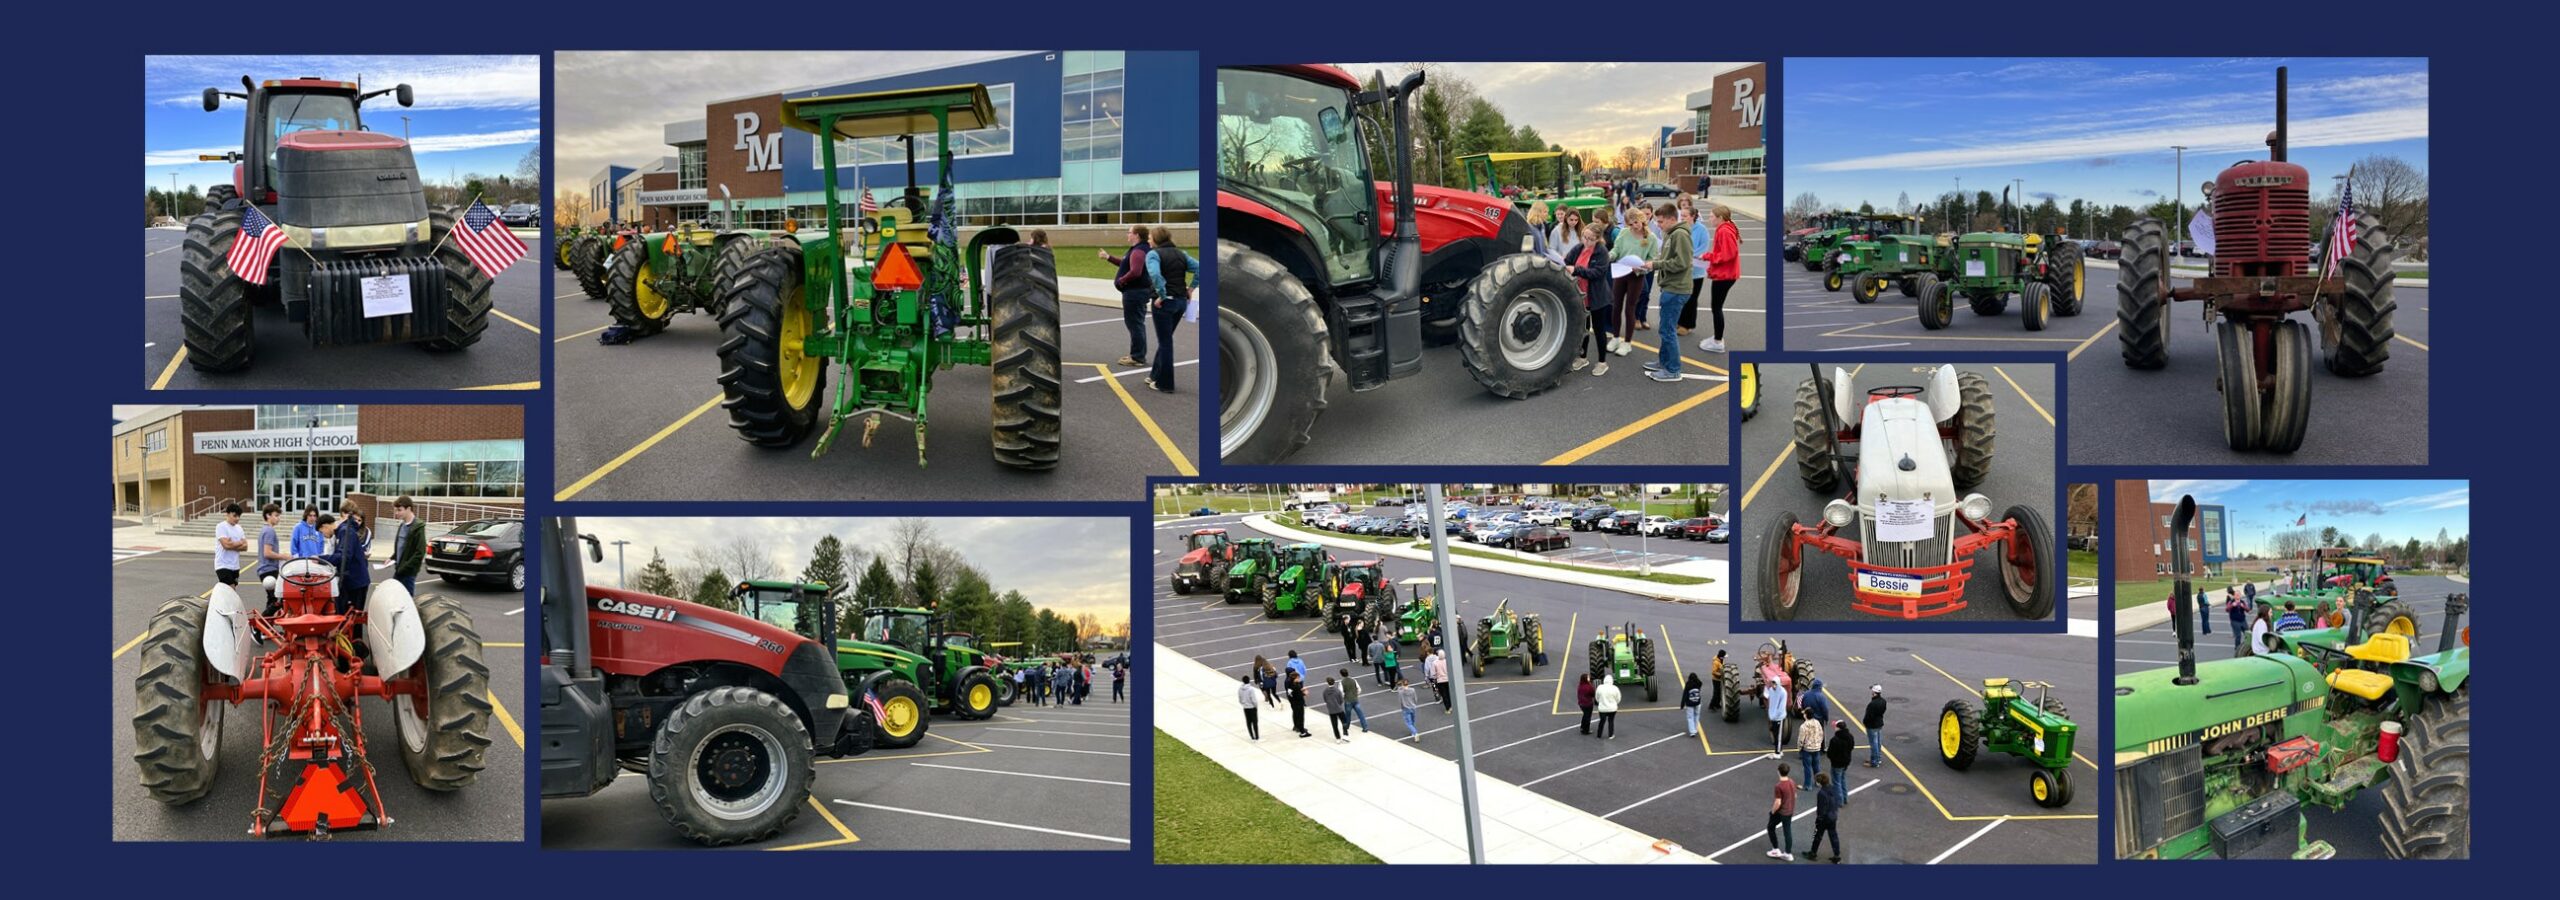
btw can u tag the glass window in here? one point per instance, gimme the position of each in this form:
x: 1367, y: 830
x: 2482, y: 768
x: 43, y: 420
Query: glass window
x: 300, y: 416
x: 493, y: 468
x: 155, y: 440
x: 690, y: 167
x: 1296, y: 146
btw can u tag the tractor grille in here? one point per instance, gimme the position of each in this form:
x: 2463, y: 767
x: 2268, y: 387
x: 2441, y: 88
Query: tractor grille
x: 330, y: 188
x: 333, y: 308
x: 1936, y: 551
x: 2157, y: 799
x: 2262, y: 231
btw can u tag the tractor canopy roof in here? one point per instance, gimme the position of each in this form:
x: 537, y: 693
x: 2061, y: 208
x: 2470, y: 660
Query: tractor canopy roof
x: 1209, y: 531
x: 1306, y: 545
x: 1421, y: 581
x: 1512, y: 157
x: 1361, y: 563
x: 894, y: 113
x: 773, y: 584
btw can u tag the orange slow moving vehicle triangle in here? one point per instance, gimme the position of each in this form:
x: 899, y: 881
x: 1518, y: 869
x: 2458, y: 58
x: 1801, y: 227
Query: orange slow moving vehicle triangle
x: 897, y: 272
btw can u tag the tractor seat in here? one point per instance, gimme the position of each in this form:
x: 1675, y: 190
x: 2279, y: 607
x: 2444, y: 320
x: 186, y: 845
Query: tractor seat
x: 2385, y: 647
x: 1998, y: 689
x: 2369, y: 685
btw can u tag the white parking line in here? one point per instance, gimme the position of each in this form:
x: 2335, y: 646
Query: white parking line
x: 1094, y: 322
x: 1167, y: 634
x: 1239, y: 637
x: 1525, y: 740
x: 515, y: 611
x: 1951, y: 851
x: 1869, y: 346
x: 1482, y: 718
x: 1108, y: 737
x: 919, y: 812
x: 1764, y: 833
x: 1603, y: 759
x: 1050, y: 749
x: 1700, y: 780
x: 1023, y: 774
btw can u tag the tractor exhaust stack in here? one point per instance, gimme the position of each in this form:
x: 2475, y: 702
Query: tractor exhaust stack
x: 2182, y: 599
x: 2276, y: 144
x: 2454, y: 606
x: 1405, y: 255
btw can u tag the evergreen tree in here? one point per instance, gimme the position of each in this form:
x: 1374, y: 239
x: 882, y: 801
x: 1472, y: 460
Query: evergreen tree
x: 877, y: 588
x: 713, y: 591
x: 656, y: 579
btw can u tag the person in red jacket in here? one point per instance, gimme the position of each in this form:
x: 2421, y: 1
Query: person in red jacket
x: 1724, y: 267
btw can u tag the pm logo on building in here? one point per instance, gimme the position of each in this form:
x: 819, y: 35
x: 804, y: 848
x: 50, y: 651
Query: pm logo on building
x: 1750, y: 104
x: 764, y: 152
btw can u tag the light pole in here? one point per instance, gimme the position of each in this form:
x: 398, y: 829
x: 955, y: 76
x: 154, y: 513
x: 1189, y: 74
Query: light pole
x: 404, y: 128
x: 2178, y: 219
x: 2021, y: 184
x: 618, y: 579
x: 1448, y: 603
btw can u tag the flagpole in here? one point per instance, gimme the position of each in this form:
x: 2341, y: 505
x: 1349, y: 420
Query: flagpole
x: 288, y: 236
x: 457, y: 222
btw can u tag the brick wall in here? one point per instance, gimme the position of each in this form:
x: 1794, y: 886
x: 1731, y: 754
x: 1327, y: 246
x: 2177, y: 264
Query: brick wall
x: 212, y: 476
x: 725, y: 163
x: 658, y: 218
x: 2142, y: 540
x: 446, y: 422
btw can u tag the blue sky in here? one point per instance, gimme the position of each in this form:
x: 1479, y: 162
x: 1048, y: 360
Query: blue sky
x: 1867, y: 130
x: 473, y: 113
x: 2398, y: 510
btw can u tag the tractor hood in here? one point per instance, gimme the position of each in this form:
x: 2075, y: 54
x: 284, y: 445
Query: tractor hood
x: 636, y: 633
x: 1197, y: 557
x: 1243, y: 569
x: 2155, y: 715
x: 1446, y: 214
x: 1900, y: 458
x: 333, y: 179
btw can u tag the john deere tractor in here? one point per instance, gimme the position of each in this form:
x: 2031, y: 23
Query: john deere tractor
x: 1506, y: 634
x: 2041, y: 731
x: 590, y: 256
x: 2342, y: 579
x: 1625, y: 655
x: 655, y: 275
x: 1257, y: 563
x: 1987, y: 268
x: 1420, y: 608
x: 1305, y: 583
x: 364, y: 260
x: 945, y: 673
x: 1885, y: 247
x: 2218, y: 759
x: 892, y: 299
x: 561, y: 241
x: 1483, y: 177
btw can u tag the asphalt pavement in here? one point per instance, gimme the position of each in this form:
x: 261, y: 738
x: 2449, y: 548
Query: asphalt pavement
x: 642, y: 421
x: 1708, y: 794
x: 508, y: 356
x: 490, y: 809
x: 2022, y: 472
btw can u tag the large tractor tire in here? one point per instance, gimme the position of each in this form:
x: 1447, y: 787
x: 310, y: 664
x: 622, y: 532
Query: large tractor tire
x: 587, y: 259
x: 2055, y: 707
x: 2142, y: 295
x: 2243, y: 425
x: 727, y: 260
x: 220, y: 197
x: 1006, y: 691
x: 2288, y: 408
x: 1975, y: 446
x: 772, y: 390
x: 2068, y: 274
x: 1791, y: 253
x: 1780, y: 586
x: 1644, y: 667
x: 1868, y: 286
x: 2426, y: 806
x: 2035, y: 304
x: 2051, y: 788
x: 1959, y: 734
x: 731, y: 765
x: 1023, y: 349
x: 1599, y: 659
x: 1536, y: 633
x: 560, y: 253
x: 1522, y: 320
x: 2364, y: 331
x: 213, y: 301
x: 466, y: 290
x: 1910, y: 285
x: 1483, y: 648
x: 906, y: 705
x: 1275, y: 359
x: 1832, y: 280
x: 976, y: 697
x: 1812, y: 444
x: 444, y: 738
x: 2029, y: 588
x: 1988, y: 303
x: 631, y: 289
x: 1270, y: 600
x: 177, y: 731
x: 1728, y: 689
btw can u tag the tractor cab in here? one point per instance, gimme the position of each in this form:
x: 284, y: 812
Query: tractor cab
x: 906, y: 629
x: 801, y: 609
x: 1212, y: 540
x: 303, y: 111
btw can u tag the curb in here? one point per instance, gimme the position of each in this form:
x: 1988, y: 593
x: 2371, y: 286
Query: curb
x: 1711, y: 592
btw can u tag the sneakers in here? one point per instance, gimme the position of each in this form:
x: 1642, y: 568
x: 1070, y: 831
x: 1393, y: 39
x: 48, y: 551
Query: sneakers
x: 1580, y: 363
x: 1650, y: 366
x: 1622, y: 347
x: 1131, y: 362
x: 1599, y: 370
x: 1790, y: 857
x: 1775, y: 853
x: 1662, y: 376
x: 1711, y: 345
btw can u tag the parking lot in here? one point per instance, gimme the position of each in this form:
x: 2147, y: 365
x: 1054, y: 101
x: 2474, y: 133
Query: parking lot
x: 2125, y: 416
x: 490, y: 809
x: 2351, y: 830
x: 1440, y: 415
x: 508, y: 356
x: 2022, y: 473
x: 1595, y: 549
x: 643, y: 421
x: 1708, y: 794
x: 1032, y: 778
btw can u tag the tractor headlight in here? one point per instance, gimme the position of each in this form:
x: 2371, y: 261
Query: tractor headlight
x: 1974, y: 507
x: 2427, y: 681
x: 1839, y: 513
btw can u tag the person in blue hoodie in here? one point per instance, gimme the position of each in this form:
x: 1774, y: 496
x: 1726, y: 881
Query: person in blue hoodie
x: 352, y: 557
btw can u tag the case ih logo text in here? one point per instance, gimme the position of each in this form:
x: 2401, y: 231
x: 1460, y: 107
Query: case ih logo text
x: 635, y: 610
x: 764, y: 153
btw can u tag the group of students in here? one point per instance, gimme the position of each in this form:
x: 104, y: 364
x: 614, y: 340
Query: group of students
x: 343, y: 539
x: 1154, y: 278
x: 1679, y: 253
x: 1338, y: 697
x: 1067, y: 683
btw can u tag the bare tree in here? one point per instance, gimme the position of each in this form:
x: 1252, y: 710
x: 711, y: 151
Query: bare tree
x: 911, y: 542
x: 529, y: 166
x: 2395, y: 192
x: 1629, y: 158
x: 743, y: 557
x: 1804, y: 207
x: 568, y: 209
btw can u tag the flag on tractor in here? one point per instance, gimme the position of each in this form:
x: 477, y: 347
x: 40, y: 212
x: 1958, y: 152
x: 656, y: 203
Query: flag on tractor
x: 869, y: 205
x: 2342, y: 233
x: 489, y: 244
x: 255, y: 246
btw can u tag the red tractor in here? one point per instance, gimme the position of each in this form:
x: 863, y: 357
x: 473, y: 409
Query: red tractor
x: 1327, y: 275
x: 1204, y: 567
x: 724, y: 714
x: 324, y: 654
x: 2265, y: 267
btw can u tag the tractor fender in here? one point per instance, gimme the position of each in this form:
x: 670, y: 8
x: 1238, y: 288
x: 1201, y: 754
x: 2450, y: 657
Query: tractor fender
x: 963, y: 676
x: 392, y: 629
x: 226, y: 632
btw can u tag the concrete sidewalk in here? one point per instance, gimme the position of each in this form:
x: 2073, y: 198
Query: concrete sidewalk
x: 1711, y: 592
x: 1395, y: 801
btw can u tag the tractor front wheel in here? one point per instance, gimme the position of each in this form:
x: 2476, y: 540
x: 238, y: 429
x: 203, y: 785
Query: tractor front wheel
x: 1781, y: 581
x: 1005, y: 692
x: 1868, y: 286
x: 1522, y: 318
x: 2051, y: 788
x: 731, y: 765
x: 770, y: 387
x: 631, y: 288
x: 1937, y: 303
x: 1275, y: 358
x: 1988, y: 303
x: 2142, y: 296
x: 1747, y: 390
x: 587, y: 256
x: 466, y: 290
x: 444, y: 735
x: 1959, y: 734
x: 2242, y: 425
x: 177, y: 727
x: 2028, y: 577
x: 2363, y: 332
x: 2035, y: 304
x: 2426, y: 804
x: 1812, y: 444
x: 1974, y: 449
x: 1599, y: 659
x: 905, y: 705
x: 1832, y: 280
x: 1023, y: 345
x: 213, y: 301
x: 2288, y: 407
x: 976, y: 698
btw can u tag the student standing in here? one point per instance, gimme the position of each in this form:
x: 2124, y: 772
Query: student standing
x: 1252, y: 714
x: 1698, y: 240
x: 1589, y: 261
x: 1670, y: 266
x: 1605, y: 700
x: 1724, y: 267
x: 1131, y: 279
x: 1375, y: 656
x: 1351, y: 703
x: 307, y: 539
x: 228, y: 540
x: 1169, y: 270
x: 1348, y: 625
x: 1826, y: 816
x: 1809, y: 749
x: 2238, y: 610
x: 1715, y: 675
x: 1331, y: 698
x: 1296, y: 688
x: 1841, y: 749
x: 1583, y: 696
x: 1692, y: 696
x: 1270, y: 681
x: 1390, y: 670
x: 271, y: 553
x: 1405, y: 702
x: 1636, y: 240
x: 1775, y: 696
x: 1874, y: 721
x: 1436, y: 666
x: 354, y: 558
x: 1296, y: 665
x: 1782, y: 811
x: 1120, y: 682
x: 408, y: 544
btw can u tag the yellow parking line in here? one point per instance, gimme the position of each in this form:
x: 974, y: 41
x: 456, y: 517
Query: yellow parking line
x: 2405, y: 339
x: 958, y: 741
x: 2022, y: 392
x: 1762, y: 480
x: 513, y: 730
x: 567, y: 338
x: 129, y: 645
x: 1556, y: 707
x: 520, y: 322
x: 834, y: 842
x: 1665, y: 631
x: 171, y: 369
x: 636, y: 449
x: 1173, y: 454
x: 847, y: 836
x: 1685, y: 361
x: 511, y: 386
x: 2084, y: 345
x: 1311, y: 629
x: 516, y: 644
x: 1978, y: 695
x: 1631, y: 429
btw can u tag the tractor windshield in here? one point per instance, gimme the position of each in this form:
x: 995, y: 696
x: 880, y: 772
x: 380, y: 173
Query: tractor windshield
x: 776, y: 607
x: 288, y: 113
x: 1295, y: 144
x: 1206, y: 540
x: 894, y: 629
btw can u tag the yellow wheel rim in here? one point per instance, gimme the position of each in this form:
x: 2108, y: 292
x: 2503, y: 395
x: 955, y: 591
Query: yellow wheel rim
x: 645, y: 286
x: 902, y: 717
x: 2040, y: 788
x: 1750, y: 385
x: 799, y: 372
x: 980, y: 696
x: 2403, y: 626
x: 2079, y: 280
x: 1950, y: 734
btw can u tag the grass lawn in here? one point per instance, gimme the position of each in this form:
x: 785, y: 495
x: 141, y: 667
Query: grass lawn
x: 1079, y: 262
x: 1207, y: 815
x: 2135, y: 593
x: 2083, y: 564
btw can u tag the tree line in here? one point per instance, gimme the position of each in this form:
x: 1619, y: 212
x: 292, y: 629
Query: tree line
x: 2446, y: 550
x: 524, y: 185
x: 1451, y: 119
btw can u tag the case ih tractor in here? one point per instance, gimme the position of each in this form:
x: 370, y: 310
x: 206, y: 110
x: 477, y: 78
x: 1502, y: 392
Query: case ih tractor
x: 2264, y: 269
x: 1907, y: 535
x: 723, y: 714
x: 1327, y: 277
x: 1207, y: 554
x: 321, y: 657
x: 2006, y: 723
x: 364, y: 261
x: 1505, y: 634
x: 1304, y: 585
x: 1257, y: 562
x: 1986, y: 268
x: 1367, y: 592
x: 1483, y: 178
x: 2218, y: 759
x: 1626, y: 655
x: 653, y: 276
x: 892, y: 301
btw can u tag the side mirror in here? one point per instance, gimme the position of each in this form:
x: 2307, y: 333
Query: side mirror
x: 1335, y: 131
x: 404, y: 95
x: 212, y: 99
x: 595, y: 548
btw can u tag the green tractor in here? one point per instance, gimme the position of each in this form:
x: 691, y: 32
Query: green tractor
x: 1884, y: 246
x: 590, y: 256
x: 1504, y: 633
x: 2218, y: 759
x: 909, y: 644
x: 1419, y: 609
x: 1988, y: 267
x: 1820, y: 239
x: 1564, y: 194
x: 1625, y: 655
x: 561, y: 242
x: 2006, y: 723
x: 1307, y: 580
x: 655, y: 275
x: 893, y: 300
x: 1362, y: 591
x: 1257, y: 561
x: 2341, y: 579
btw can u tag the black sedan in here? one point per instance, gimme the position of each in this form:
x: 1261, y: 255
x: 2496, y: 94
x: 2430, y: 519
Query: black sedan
x: 488, y: 551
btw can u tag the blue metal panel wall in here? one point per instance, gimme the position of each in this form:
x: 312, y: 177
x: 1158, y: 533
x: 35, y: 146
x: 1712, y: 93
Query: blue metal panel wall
x: 1037, y: 81
x: 1162, y: 132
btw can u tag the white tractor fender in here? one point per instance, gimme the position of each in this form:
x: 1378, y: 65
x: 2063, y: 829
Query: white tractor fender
x: 1944, y: 397
x: 226, y: 632
x: 392, y: 628
x: 1844, y: 396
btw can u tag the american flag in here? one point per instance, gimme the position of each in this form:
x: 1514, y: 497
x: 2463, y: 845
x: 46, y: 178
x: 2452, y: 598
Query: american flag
x: 255, y: 246
x: 869, y: 206
x: 490, y: 245
x: 878, y: 713
x: 2342, y: 234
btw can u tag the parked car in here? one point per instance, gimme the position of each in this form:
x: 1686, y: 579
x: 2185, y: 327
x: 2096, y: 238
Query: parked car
x: 1589, y: 518
x: 2106, y: 250
x: 1498, y: 536
x: 1548, y: 516
x: 486, y: 551
x: 1541, y: 538
x: 1719, y: 534
x: 1655, y: 526
x: 1622, y: 522
x: 520, y: 215
x: 1656, y: 189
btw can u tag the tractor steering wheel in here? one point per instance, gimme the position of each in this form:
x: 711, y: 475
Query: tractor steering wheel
x: 308, y: 577
x: 1892, y: 391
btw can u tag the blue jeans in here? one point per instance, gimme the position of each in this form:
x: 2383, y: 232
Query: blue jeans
x: 2239, y: 631
x: 410, y: 584
x: 1354, y: 706
x: 1840, y: 785
x: 1667, y: 348
x: 1409, y: 730
x: 1875, y: 748
x: 1693, y: 719
x: 1811, y: 762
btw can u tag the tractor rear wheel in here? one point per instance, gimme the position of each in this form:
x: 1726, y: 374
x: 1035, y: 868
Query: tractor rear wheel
x: 466, y: 290
x: 1911, y: 285
x: 731, y: 765
x: 2288, y: 407
x: 1600, y: 658
x: 1023, y: 347
x: 2051, y: 788
x: 2054, y: 706
x: 1812, y: 445
x: 1988, y: 303
x: 2363, y: 313
x: 1747, y: 389
x: 1869, y: 285
x: 1005, y: 691
x: 1275, y: 359
x: 1644, y: 667
x: 1972, y: 462
x: 1791, y: 253
x: 1937, y: 303
x: 586, y: 260
x: 631, y: 288
x: 2035, y: 304
x: 2068, y: 273
x: 1781, y: 583
x: 729, y: 259
x: 220, y: 196
x: 904, y: 726
x: 1533, y: 642
x: 444, y: 736
x: 1483, y: 647
x: 1729, y: 693
x: 2029, y: 587
x: 2242, y: 425
x: 2142, y: 296
x: 213, y: 301
x: 2426, y: 806
x: 769, y: 386
x: 177, y: 730
x: 1959, y: 734
x: 1520, y: 323
x: 976, y: 697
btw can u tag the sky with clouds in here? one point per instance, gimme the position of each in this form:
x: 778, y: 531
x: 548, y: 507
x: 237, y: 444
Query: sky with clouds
x: 473, y: 113
x: 2398, y: 510
x: 1582, y: 106
x: 1867, y: 130
x: 1068, y: 564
